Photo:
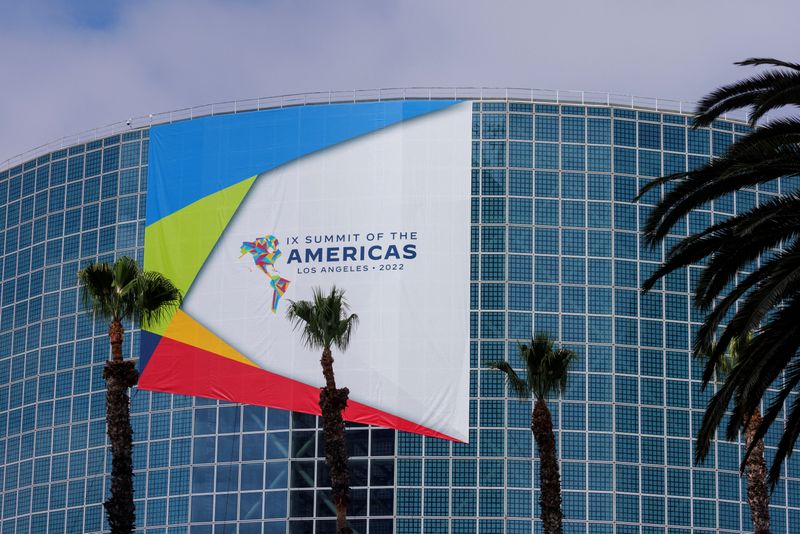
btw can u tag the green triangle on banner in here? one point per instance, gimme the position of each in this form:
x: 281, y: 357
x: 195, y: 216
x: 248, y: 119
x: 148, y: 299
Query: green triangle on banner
x: 177, y: 245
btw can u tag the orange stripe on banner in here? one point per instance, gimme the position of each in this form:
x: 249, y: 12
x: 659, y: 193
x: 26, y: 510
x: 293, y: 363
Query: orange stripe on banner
x: 185, y: 329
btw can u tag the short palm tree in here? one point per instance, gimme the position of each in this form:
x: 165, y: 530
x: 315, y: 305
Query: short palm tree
x: 755, y: 466
x: 119, y: 292
x: 746, y: 283
x: 546, y: 372
x: 325, y: 322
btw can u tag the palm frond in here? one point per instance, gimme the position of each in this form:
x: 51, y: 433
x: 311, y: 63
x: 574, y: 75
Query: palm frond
x: 548, y: 366
x: 690, y: 250
x: 791, y: 379
x: 743, y: 93
x: 787, y: 442
x: 785, y: 96
x: 752, y: 275
x: 712, y: 417
x: 324, y: 320
x: 758, y: 61
x: 713, y: 106
x: 717, y: 178
x: 733, y: 243
x: 725, y: 357
x: 562, y: 359
x: 768, y: 138
x: 767, y: 354
x: 302, y: 315
x: 96, y: 282
x: 349, y: 324
x: 520, y: 387
x: 657, y: 182
x: 125, y: 285
x: 156, y: 296
x: 735, y: 250
x: 126, y: 274
x: 121, y: 291
x: 782, y: 281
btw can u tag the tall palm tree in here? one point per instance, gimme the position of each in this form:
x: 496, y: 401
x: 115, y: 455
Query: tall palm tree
x: 755, y: 466
x: 325, y: 322
x: 546, y: 369
x: 119, y: 292
x: 742, y: 265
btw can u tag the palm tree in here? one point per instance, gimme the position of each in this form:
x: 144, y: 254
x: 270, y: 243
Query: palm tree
x: 546, y: 372
x: 768, y: 295
x: 755, y: 467
x: 325, y: 322
x: 121, y: 292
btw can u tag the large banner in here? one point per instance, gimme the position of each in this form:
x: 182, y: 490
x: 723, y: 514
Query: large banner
x: 248, y: 212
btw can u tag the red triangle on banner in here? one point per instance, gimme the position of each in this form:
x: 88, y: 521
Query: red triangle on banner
x: 176, y: 367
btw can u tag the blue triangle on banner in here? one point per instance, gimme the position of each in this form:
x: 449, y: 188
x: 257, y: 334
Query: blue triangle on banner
x: 212, y: 153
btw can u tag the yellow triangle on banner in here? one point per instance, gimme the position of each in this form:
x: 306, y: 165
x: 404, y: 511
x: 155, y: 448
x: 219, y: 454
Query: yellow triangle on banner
x: 184, y: 329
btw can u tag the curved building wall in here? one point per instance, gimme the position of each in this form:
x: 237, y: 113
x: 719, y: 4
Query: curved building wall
x: 555, y: 248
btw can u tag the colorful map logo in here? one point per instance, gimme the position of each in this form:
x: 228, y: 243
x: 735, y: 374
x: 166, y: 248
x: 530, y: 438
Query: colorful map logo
x: 265, y: 253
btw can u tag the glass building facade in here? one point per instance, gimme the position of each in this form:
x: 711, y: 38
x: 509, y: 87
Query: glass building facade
x: 555, y: 248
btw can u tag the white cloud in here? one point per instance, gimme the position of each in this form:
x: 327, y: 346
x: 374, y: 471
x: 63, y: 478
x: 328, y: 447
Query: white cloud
x: 61, y: 76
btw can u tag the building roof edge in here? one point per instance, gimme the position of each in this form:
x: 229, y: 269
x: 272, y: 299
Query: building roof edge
x: 362, y: 95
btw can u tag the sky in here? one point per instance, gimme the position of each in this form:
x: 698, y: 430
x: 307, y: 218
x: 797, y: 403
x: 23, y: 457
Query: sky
x: 72, y: 65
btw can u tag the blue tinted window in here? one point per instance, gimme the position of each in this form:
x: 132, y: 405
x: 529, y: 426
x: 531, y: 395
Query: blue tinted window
x: 599, y: 131
x: 546, y: 212
x: 573, y: 157
x: 520, y: 183
x: 546, y: 155
x: 546, y: 128
x: 520, y: 154
x: 519, y: 239
x: 493, y: 210
x: 573, y: 214
x: 625, y: 160
x: 520, y: 127
x: 130, y: 154
x: 650, y: 163
x: 546, y: 184
x: 520, y: 297
x: 494, y: 126
x: 599, y: 158
x: 649, y: 135
x: 493, y: 154
x: 624, y: 133
x: 493, y: 182
x: 698, y: 141
x: 674, y: 138
x: 721, y: 142
x: 599, y: 187
x: 573, y: 129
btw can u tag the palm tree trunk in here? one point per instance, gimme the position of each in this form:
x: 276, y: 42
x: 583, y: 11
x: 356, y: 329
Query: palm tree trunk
x: 542, y: 427
x: 756, y: 472
x: 116, y: 334
x: 119, y: 376
x: 332, y: 401
x: 327, y: 369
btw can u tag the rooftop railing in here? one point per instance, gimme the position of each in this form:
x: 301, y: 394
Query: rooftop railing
x: 362, y: 95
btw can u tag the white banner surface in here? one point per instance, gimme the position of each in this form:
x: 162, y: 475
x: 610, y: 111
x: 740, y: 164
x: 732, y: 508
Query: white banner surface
x: 384, y: 217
